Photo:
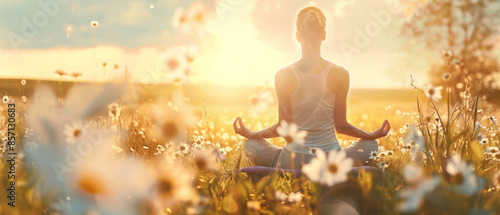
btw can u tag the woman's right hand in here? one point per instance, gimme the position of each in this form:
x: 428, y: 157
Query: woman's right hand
x: 382, y: 131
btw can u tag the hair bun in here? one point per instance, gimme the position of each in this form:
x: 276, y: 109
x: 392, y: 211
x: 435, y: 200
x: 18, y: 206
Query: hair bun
x: 311, y: 22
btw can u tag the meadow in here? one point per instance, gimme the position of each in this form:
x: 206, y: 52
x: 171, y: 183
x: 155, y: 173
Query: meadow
x: 121, y: 148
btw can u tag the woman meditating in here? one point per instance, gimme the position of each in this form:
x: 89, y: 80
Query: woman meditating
x: 312, y: 94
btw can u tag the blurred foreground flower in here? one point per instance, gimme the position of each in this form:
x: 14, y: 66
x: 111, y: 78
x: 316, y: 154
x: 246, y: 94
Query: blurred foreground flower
x: 419, y: 187
x: 462, y: 174
x: 291, y: 133
x: 433, y: 93
x: 328, y: 170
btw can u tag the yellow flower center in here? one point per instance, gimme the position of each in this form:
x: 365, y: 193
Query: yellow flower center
x: 77, y: 133
x: 333, y: 168
x: 200, y: 163
x: 169, y: 129
x: 457, y: 178
x: 91, y: 184
x: 288, y: 138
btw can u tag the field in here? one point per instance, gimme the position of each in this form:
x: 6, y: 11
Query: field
x: 118, y: 148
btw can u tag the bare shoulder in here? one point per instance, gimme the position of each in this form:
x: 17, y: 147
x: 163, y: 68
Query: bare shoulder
x: 284, y: 73
x: 338, y: 73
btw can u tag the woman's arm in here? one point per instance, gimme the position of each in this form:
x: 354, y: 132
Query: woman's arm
x: 341, y: 124
x: 284, y: 111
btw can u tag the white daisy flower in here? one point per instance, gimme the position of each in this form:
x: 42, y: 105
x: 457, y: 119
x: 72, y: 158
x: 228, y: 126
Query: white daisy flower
x: 174, y: 183
x: 373, y: 155
x: 484, y: 141
x: 74, y: 131
x: 433, y: 93
x: 23, y: 82
x: 204, y: 161
x: 5, y: 99
x: 462, y: 175
x: 419, y: 187
x: 313, y: 150
x: 292, y: 134
x: 492, y: 150
x: 328, y: 170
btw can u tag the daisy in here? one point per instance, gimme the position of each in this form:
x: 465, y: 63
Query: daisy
x: 173, y: 184
x: 291, y: 134
x: 204, y: 161
x: 484, y: 141
x: 312, y: 150
x: 328, y: 170
x: 197, y: 14
x: 183, y: 148
x: 23, y: 82
x: 5, y: 99
x: 180, y: 20
x: 373, y: 155
x: 462, y: 175
x: 433, y: 93
x: 74, y: 131
x: 446, y: 76
x: 447, y: 54
x: 419, y: 187
x: 24, y: 99
x: 94, y: 24
x: 492, y: 150
x: 61, y: 73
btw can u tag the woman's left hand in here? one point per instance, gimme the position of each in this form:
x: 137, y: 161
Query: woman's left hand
x: 242, y: 130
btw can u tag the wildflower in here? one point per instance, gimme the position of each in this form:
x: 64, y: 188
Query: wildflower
x: 295, y: 197
x: 114, y: 111
x: 61, y: 73
x: 5, y: 99
x: 205, y: 161
x: 280, y: 196
x: 414, y: 137
x: 446, y: 76
x: 292, y: 134
x: 180, y: 20
x: 492, y: 150
x: 484, y: 141
x: 23, y: 82
x: 171, y: 122
x: 432, y: 92
x: 183, y: 148
x: 419, y: 187
x: 74, y: 131
x: 312, y: 150
x: 197, y: 13
x: 447, y: 54
x: 493, y: 120
x: 24, y: 99
x: 94, y: 24
x: 462, y: 175
x: 328, y: 170
x: 173, y: 183
x: 76, y: 74
x: 373, y: 155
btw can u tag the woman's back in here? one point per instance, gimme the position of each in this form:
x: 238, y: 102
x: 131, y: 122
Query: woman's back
x: 312, y: 109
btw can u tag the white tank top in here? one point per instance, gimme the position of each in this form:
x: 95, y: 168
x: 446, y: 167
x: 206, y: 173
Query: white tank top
x: 313, y: 106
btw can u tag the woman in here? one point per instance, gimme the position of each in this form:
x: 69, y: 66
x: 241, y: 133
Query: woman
x: 312, y: 94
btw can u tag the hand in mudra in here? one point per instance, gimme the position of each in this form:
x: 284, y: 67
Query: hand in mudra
x: 241, y: 130
x: 382, y: 131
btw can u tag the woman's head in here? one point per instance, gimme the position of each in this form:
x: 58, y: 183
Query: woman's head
x: 311, y: 25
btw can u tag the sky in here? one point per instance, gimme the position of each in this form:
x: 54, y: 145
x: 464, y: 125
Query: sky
x: 240, y: 42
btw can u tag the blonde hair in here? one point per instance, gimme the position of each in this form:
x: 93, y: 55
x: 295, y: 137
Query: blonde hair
x: 311, y: 23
